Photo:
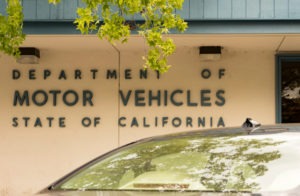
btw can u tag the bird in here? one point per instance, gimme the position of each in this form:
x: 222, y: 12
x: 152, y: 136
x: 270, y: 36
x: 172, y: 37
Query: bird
x: 251, y: 125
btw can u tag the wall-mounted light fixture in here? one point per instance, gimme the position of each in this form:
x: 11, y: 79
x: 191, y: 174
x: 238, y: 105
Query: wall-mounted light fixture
x: 210, y: 53
x: 29, y: 55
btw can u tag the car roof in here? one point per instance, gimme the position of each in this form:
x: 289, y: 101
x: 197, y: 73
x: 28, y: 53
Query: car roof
x: 228, y: 131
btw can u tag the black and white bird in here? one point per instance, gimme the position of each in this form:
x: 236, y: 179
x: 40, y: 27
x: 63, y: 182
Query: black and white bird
x: 251, y: 125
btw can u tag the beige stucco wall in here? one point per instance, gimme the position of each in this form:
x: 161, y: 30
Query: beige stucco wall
x: 33, y: 157
x: 248, y: 82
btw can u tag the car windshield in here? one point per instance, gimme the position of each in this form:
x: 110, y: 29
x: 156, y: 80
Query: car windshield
x: 194, y: 162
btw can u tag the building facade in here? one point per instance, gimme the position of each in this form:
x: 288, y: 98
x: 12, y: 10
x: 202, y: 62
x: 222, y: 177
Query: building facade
x: 86, y: 96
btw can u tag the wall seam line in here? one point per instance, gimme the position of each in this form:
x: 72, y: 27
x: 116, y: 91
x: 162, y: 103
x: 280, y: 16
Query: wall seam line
x: 280, y: 44
x: 119, y: 87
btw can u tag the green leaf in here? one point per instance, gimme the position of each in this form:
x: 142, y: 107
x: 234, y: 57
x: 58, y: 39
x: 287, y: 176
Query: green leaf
x: 158, y: 15
x: 159, y: 19
x: 54, y: 1
x: 11, y: 28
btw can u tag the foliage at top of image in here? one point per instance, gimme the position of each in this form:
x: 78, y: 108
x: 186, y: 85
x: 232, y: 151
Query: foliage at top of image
x: 158, y: 16
x: 11, y: 28
x: 114, y: 20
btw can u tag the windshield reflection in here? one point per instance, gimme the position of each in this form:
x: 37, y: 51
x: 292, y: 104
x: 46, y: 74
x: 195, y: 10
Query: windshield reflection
x: 182, y: 164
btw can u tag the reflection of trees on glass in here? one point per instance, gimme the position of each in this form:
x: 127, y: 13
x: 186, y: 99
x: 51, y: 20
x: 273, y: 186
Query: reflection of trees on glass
x: 234, y: 164
x: 290, y: 88
x: 218, y: 164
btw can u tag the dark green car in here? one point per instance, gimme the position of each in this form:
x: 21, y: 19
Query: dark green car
x: 252, y: 160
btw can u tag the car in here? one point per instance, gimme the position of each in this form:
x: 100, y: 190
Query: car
x: 248, y: 160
